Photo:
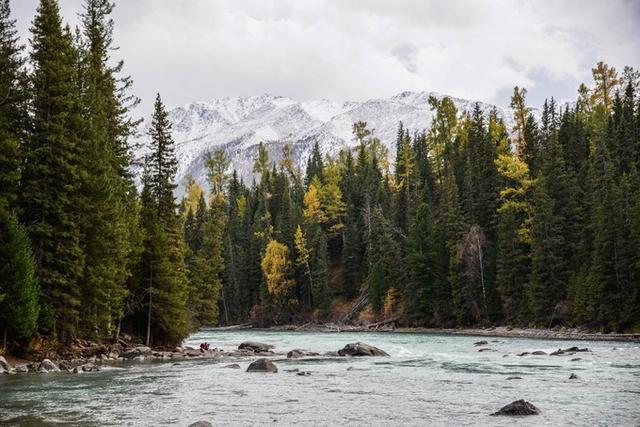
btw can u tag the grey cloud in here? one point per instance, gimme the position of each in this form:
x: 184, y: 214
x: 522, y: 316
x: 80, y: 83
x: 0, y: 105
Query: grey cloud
x: 202, y: 49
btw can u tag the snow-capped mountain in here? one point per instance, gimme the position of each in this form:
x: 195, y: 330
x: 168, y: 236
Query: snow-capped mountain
x: 238, y: 125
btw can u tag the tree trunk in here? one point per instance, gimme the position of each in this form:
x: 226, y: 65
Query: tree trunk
x: 149, y: 311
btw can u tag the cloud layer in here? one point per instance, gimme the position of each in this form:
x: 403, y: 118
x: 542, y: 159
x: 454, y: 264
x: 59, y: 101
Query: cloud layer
x: 202, y: 49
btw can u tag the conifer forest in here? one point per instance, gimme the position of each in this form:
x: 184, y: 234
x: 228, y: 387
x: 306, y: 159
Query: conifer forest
x: 469, y: 223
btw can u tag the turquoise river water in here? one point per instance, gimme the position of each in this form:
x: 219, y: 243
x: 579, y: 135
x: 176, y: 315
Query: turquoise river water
x: 429, y: 379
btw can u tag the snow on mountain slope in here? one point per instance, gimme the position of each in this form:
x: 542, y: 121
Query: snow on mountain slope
x: 238, y: 125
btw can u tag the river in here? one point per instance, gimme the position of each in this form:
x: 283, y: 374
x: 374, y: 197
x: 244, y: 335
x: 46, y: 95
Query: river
x: 429, y: 379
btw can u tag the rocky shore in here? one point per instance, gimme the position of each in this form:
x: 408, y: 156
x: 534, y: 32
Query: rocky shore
x: 85, y: 356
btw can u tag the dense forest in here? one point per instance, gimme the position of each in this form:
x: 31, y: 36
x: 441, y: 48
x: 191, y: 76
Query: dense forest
x: 474, y: 223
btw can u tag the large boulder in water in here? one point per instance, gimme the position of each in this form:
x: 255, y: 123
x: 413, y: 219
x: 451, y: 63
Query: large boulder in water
x: 519, y: 407
x: 361, y: 349
x: 256, y: 347
x: 201, y: 424
x: 262, y: 365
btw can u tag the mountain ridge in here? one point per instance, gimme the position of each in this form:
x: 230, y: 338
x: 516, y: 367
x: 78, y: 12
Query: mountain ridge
x: 238, y: 124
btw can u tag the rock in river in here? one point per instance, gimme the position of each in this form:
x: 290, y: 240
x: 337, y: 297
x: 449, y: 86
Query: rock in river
x: 262, y: 365
x: 361, y: 349
x: 48, y: 366
x: 519, y: 407
x: 480, y: 343
x: 201, y: 424
x: 4, y: 365
x: 297, y: 353
x: 255, y: 346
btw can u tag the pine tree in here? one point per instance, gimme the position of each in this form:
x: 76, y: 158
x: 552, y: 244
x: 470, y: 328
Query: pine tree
x: 51, y: 176
x: 548, y: 281
x: 514, y: 237
x: 107, y: 182
x: 315, y: 165
x: 13, y: 113
x: 19, y: 290
x: 423, y: 262
x: 164, y: 272
x: 606, y: 79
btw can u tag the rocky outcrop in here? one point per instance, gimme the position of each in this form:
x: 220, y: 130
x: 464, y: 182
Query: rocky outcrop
x: 256, y: 347
x: 518, y: 408
x: 361, y: 349
x: 262, y: 365
x: 201, y: 424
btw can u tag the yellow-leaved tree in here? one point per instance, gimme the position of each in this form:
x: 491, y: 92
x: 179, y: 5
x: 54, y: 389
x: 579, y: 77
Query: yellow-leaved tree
x: 276, y: 268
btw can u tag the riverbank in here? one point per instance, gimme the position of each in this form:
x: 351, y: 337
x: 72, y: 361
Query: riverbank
x: 498, y: 331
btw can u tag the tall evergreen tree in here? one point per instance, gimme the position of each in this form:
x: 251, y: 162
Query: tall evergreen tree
x: 50, y: 185
x: 164, y: 272
x: 107, y: 183
x: 13, y: 108
x: 19, y: 290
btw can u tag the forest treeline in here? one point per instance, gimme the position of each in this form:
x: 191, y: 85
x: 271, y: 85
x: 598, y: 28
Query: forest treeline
x: 473, y: 224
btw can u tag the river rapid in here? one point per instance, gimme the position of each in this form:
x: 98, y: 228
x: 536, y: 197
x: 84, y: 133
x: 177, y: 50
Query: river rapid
x: 429, y: 379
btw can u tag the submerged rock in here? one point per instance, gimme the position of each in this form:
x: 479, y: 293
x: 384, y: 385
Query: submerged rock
x: 573, y: 377
x: 361, y: 349
x: 482, y: 350
x: 201, y: 424
x: 262, y: 365
x: 303, y: 373
x: 513, y: 378
x: 539, y: 353
x: 21, y: 369
x: 480, y: 343
x: 66, y: 365
x: 297, y: 353
x: 519, y: 407
x: 256, y: 347
x: 90, y: 367
x: 232, y: 366
x: 569, y: 351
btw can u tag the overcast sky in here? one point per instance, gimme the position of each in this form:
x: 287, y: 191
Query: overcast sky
x: 192, y: 50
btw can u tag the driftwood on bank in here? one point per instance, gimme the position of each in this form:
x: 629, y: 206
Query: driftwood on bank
x: 248, y: 325
x: 384, y: 322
